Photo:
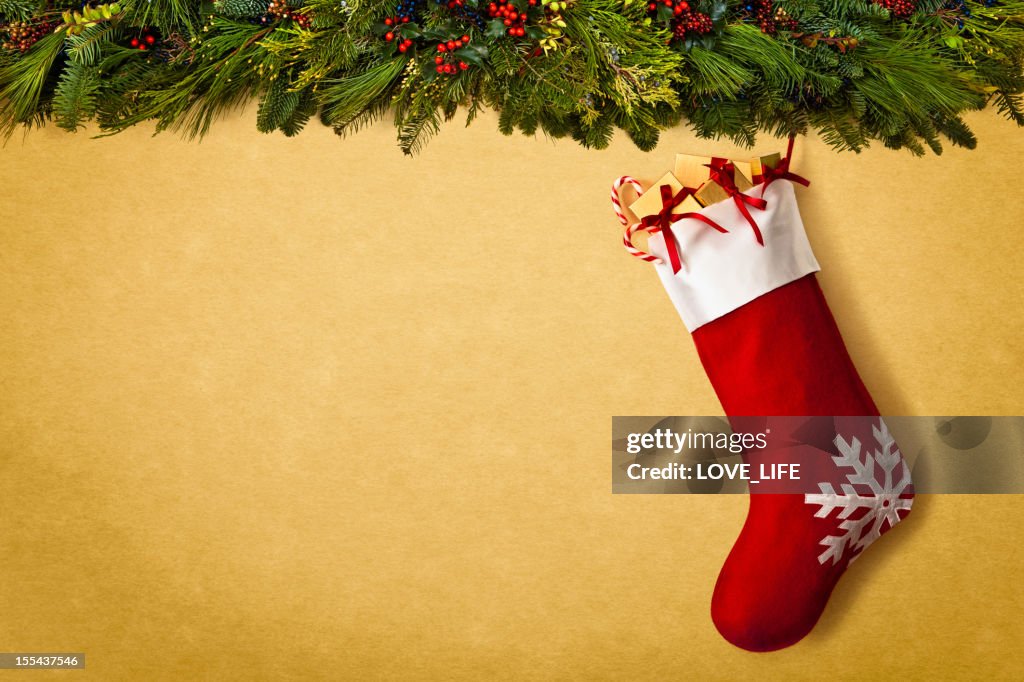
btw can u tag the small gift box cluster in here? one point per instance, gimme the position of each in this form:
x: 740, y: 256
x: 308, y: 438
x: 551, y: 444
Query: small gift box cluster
x: 694, y: 183
x: 704, y: 176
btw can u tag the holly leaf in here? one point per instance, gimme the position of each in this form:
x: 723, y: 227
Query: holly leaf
x: 495, y: 29
x: 705, y: 41
x: 717, y: 12
x: 411, y: 30
x: 472, y: 54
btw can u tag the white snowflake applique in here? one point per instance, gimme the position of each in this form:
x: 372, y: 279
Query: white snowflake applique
x: 879, y: 497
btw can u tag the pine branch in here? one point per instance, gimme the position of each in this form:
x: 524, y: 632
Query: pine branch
x: 22, y: 83
x: 18, y: 9
x: 852, y: 71
x: 346, y: 98
x: 74, y: 100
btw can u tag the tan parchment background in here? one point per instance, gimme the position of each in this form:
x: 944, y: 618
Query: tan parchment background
x: 300, y: 409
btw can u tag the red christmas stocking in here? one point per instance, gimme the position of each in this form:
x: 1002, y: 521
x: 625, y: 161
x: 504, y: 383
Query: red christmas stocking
x: 770, y: 346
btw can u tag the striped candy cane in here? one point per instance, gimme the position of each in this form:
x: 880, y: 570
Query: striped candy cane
x: 627, y: 238
x: 627, y: 241
x: 616, y: 202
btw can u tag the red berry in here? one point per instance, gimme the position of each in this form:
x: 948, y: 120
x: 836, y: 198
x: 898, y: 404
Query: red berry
x: 439, y: 59
x: 442, y: 48
x: 389, y: 36
x: 463, y: 65
x: 465, y: 39
x: 135, y: 42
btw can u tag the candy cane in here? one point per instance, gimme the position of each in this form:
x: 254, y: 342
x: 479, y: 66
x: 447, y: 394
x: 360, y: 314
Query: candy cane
x: 627, y: 241
x: 627, y: 238
x: 616, y: 202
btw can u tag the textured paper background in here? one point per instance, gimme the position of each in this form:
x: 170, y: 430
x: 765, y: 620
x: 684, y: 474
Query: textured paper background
x: 299, y: 409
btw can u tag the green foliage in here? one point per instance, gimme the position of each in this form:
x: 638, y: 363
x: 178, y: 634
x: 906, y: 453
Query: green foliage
x: 217, y: 74
x: 241, y: 9
x: 849, y: 71
x: 74, y: 100
x: 22, y: 84
x: 346, y: 99
x: 18, y: 9
x: 277, y: 106
x: 285, y: 108
x: 86, y: 46
x: 164, y: 14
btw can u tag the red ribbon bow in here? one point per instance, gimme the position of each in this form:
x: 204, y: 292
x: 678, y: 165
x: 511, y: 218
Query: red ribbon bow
x: 781, y: 171
x: 662, y: 221
x: 724, y: 173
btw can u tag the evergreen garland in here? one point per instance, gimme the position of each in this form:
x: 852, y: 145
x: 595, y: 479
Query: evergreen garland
x: 899, y: 71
